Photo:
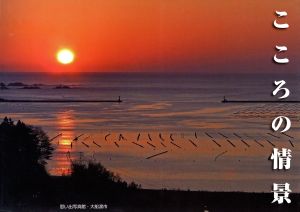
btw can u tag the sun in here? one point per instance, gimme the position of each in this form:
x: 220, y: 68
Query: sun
x: 65, y: 56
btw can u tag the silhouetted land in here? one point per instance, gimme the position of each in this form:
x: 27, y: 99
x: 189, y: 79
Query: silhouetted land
x: 26, y: 186
x: 58, y: 101
x: 63, y: 192
x: 259, y: 101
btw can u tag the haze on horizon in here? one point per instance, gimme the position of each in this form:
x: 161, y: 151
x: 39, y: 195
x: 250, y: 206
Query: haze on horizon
x: 158, y: 35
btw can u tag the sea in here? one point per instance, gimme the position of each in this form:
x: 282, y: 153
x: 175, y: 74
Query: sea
x: 171, y: 130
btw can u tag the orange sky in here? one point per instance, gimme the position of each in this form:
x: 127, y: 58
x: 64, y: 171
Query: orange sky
x: 156, y: 35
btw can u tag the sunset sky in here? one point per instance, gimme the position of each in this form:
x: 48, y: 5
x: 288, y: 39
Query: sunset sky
x: 157, y: 35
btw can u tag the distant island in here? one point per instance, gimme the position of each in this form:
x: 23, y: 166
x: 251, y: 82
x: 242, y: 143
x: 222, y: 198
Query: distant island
x: 62, y: 87
x: 3, y: 86
x: 31, y: 87
x: 16, y: 84
x: 22, y: 85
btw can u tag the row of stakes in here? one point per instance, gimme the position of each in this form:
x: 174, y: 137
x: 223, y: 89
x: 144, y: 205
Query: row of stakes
x: 172, y: 141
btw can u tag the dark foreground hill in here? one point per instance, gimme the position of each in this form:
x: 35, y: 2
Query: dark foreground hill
x: 135, y: 200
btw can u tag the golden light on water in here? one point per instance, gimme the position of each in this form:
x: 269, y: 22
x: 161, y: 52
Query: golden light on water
x: 61, y: 162
x: 66, y: 125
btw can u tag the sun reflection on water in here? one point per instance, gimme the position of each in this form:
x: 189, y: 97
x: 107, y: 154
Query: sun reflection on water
x: 61, y: 160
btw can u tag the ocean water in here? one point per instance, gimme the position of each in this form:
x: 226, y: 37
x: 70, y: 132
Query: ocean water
x: 179, y: 115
